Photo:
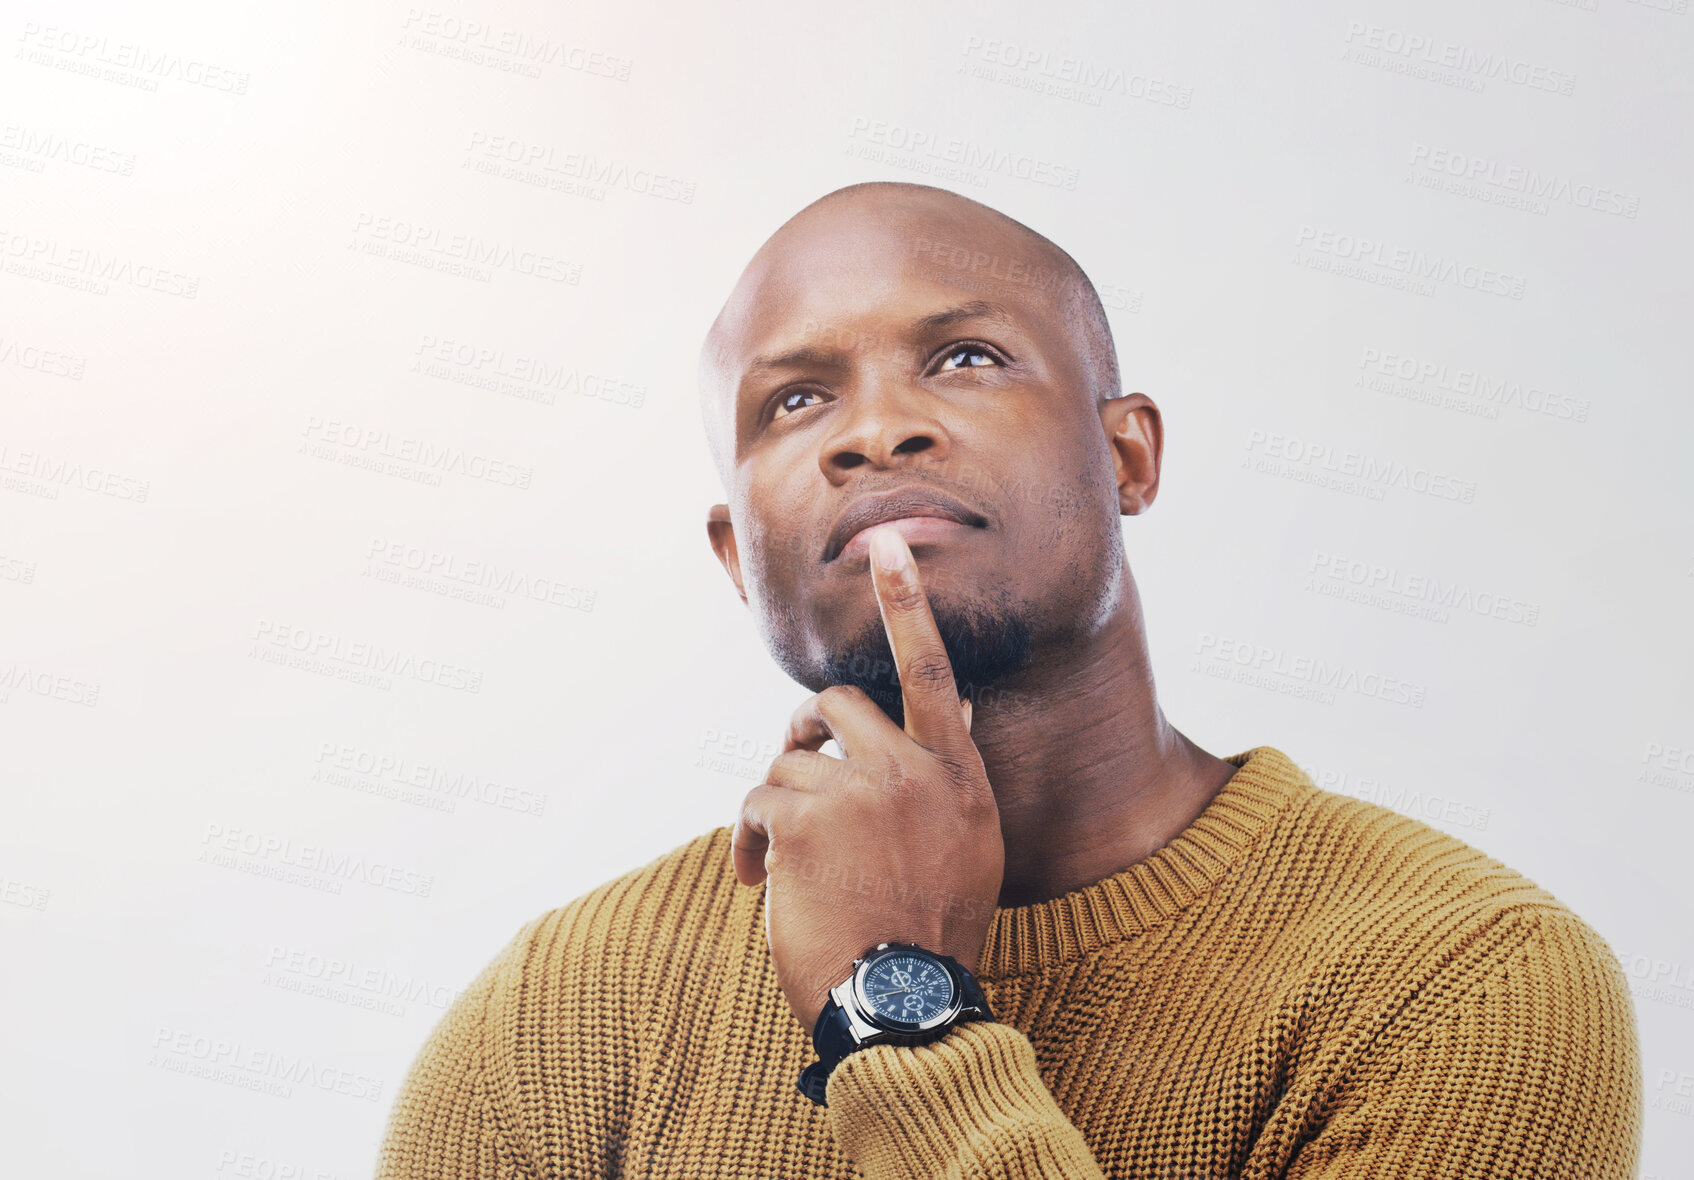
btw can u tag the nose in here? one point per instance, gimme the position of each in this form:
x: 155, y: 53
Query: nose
x: 884, y: 424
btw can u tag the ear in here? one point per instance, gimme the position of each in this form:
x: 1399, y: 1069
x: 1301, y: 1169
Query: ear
x: 722, y: 535
x: 1137, y: 437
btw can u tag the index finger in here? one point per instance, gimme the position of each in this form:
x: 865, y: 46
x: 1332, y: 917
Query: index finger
x: 928, y: 689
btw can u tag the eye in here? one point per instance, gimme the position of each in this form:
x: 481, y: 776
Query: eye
x: 970, y: 356
x: 783, y: 405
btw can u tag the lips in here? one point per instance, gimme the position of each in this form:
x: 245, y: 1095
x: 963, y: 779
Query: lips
x: 882, y: 507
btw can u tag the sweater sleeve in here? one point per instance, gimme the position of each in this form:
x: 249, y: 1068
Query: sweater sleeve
x: 447, y: 1122
x: 972, y: 1104
x: 1531, y: 1069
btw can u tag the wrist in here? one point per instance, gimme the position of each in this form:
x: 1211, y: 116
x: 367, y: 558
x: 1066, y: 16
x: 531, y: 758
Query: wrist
x: 895, y: 994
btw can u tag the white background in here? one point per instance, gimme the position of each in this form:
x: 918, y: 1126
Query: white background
x: 200, y: 341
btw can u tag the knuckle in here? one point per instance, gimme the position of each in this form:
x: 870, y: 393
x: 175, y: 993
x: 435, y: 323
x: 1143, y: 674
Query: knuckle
x: 761, y: 807
x: 840, y: 696
x: 930, y: 670
x: 749, y: 801
x: 906, y: 595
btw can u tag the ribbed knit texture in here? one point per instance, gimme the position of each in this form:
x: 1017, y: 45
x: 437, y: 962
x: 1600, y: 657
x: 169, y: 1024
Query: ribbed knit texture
x: 1299, y: 985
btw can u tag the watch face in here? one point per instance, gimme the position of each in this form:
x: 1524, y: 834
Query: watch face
x: 903, y: 988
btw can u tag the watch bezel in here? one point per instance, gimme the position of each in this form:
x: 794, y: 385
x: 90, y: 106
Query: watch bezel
x: 869, y: 1012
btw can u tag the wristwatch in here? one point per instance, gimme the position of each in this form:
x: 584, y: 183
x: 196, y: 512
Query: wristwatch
x: 898, y: 994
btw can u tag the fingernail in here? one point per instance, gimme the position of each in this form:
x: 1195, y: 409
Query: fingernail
x: 889, y: 549
x: 966, y: 706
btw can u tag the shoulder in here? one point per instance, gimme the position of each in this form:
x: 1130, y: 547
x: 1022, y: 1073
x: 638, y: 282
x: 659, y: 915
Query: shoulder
x: 576, y: 984
x: 1361, y: 857
x: 1433, y: 986
x: 1361, y: 878
x: 678, y: 906
x: 683, y: 908
x: 1391, y: 923
x: 568, y: 1007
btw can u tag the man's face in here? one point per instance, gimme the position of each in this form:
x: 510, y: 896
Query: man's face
x: 857, y: 361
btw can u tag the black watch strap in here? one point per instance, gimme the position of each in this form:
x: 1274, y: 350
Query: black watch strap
x: 832, y: 1040
x: 833, y: 1036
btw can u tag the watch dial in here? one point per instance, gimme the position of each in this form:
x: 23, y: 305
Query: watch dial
x: 908, y: 988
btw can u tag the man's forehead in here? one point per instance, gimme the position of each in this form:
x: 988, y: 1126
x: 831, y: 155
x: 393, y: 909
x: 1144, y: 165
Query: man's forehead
x: 905, y: 275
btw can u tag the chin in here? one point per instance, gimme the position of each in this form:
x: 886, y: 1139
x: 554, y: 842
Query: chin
x: 986, y: 641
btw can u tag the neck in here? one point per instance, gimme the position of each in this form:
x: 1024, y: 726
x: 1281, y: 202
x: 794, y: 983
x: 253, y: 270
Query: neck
x: 1089, y: 776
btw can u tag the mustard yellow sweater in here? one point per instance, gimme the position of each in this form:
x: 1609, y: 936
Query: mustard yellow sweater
x: 1299, y: 985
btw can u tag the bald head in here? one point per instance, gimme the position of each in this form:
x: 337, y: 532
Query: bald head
x: 881, y: 232
x: 901, y: 353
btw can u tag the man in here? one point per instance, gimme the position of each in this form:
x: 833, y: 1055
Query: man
x: 1113, y: 953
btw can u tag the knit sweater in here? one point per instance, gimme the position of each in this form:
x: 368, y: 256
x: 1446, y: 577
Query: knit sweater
x: 1298, y: 985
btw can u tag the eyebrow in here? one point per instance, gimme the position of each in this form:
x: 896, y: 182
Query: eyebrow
x: 795, y: 356
x: 974, y: 310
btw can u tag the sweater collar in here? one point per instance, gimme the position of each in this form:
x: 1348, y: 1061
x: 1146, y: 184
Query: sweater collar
x: 1028, y: 939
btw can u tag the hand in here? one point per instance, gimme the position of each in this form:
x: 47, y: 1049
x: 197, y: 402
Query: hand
x: 896, y: 841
